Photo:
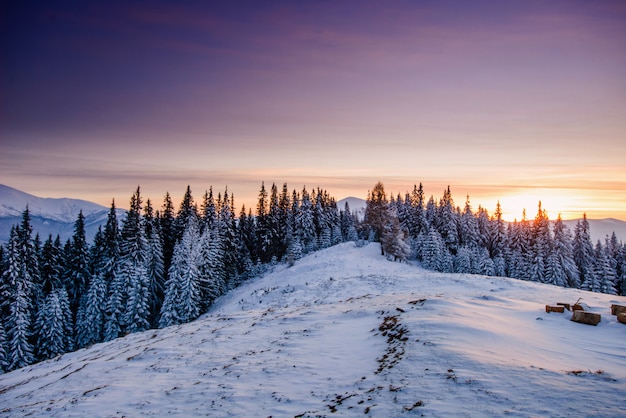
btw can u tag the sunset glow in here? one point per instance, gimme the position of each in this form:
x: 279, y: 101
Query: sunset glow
x: 517, y: 102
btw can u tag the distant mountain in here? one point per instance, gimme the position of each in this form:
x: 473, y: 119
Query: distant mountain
x: 49, y: 215
x: 601, y: 228
x: 357, y: 206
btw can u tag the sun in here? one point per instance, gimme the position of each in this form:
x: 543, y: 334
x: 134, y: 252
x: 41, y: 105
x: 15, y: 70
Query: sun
x: 554, y: 201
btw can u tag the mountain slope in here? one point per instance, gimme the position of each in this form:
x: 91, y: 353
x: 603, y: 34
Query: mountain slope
x: 13, y: 202
x: 48, y: 215
x: 344, y: 331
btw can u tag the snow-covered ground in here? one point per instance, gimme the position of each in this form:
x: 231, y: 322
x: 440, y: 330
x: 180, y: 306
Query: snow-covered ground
x: 344, y: 332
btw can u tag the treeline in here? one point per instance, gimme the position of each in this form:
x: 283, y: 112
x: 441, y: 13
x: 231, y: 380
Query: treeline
x: 154, y: 269
x: 163, y: 267
x: 447, y: 238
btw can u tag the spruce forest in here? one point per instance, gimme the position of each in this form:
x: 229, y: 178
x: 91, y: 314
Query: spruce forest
x: 162, y: 267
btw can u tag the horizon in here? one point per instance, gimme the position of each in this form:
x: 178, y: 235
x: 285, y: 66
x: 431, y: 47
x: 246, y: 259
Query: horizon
x: 501, y: 101
x: 507, y: 216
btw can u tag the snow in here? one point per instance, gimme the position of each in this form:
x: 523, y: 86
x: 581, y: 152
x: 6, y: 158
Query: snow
x: 13, y: 202
x: 346, y: 332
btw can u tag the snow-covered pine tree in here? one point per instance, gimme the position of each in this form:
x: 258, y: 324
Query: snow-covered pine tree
x: 54, y: 325
x: 4, y: 359
x: 376, y: 211
x: 606, y: 276
x: 433, y: 252
x: 463, y: 260
x: 305, y: 223
x: 562, y: 270
x: 418, y: 203
x: 498, y: 246
x: 348, y: 224
x: 77, y: 265
x: 168, y: 233
x: 128, y: 303
x: 448, y: 222
x: 92, y: 313
x: 50, y: 269
x: 540, y: 245
x: 519, y: 249
x: 19, y: 278
x: 246, y: 229
x: 182, y: 289
x: 481, y: 262
x: 208, y: 210
x: 154, y: 263
x: 468, y: 231
x: 621, y: 270
x: 228, y: 240
x: 187, y: 209
x: 394, y: 240
x: 212, y: 272
x: 584, y: 254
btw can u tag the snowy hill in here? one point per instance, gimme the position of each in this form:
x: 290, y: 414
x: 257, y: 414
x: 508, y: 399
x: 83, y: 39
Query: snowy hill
x: 346, y: 332
x: 48, y: 215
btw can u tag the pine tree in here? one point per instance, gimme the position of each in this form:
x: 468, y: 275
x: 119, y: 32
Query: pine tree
x: 22, y: 276
x: 263, y: 226
x: 348, y: 224
x: 77, y: 273
x: 621, y: 270
x: 208, y: 210
x: 519, y: 265
x: 168, y: 233
x: 50, y: 266
x: 212, y: 270
x: 394, y: 240
x: 447, y: 222
x: 154, y: 262
x: 376, y: 211
x: 128, y: 304
x: 584, y: 255
x: 463, y: 260
x: 182, y: 289
x: 562, y: 270
x: 4, y: 358
x: 187, y: 209
x: 498, y: 245
x: 305, y: 223
x: 540, y: 245
x: 605, y: 273
x: 92, y: 315
x: 468, y: 231
x: 433, y: 252
x: 54, y: 325
x: 418, y: 213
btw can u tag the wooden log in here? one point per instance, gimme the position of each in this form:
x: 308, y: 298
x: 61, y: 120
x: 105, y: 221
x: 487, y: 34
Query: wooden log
x: 621, y: 317
x: 617, y: 309
x: 577, y: 307
x: 584, y: 317
x: 565, y: 305
x: 559, y: 309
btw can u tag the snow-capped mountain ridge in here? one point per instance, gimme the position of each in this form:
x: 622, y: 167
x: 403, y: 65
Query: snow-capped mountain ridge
x: 13, y: 202
x: 49, y: 216
x: 346, y: 332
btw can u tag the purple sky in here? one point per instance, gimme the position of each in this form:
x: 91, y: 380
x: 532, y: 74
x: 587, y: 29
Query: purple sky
x: 517, y: 101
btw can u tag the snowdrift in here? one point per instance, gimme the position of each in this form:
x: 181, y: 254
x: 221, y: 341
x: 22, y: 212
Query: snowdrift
x: 346, y: 332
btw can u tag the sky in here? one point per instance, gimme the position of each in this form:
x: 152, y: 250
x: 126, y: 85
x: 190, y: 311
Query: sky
x: 509, y: 101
